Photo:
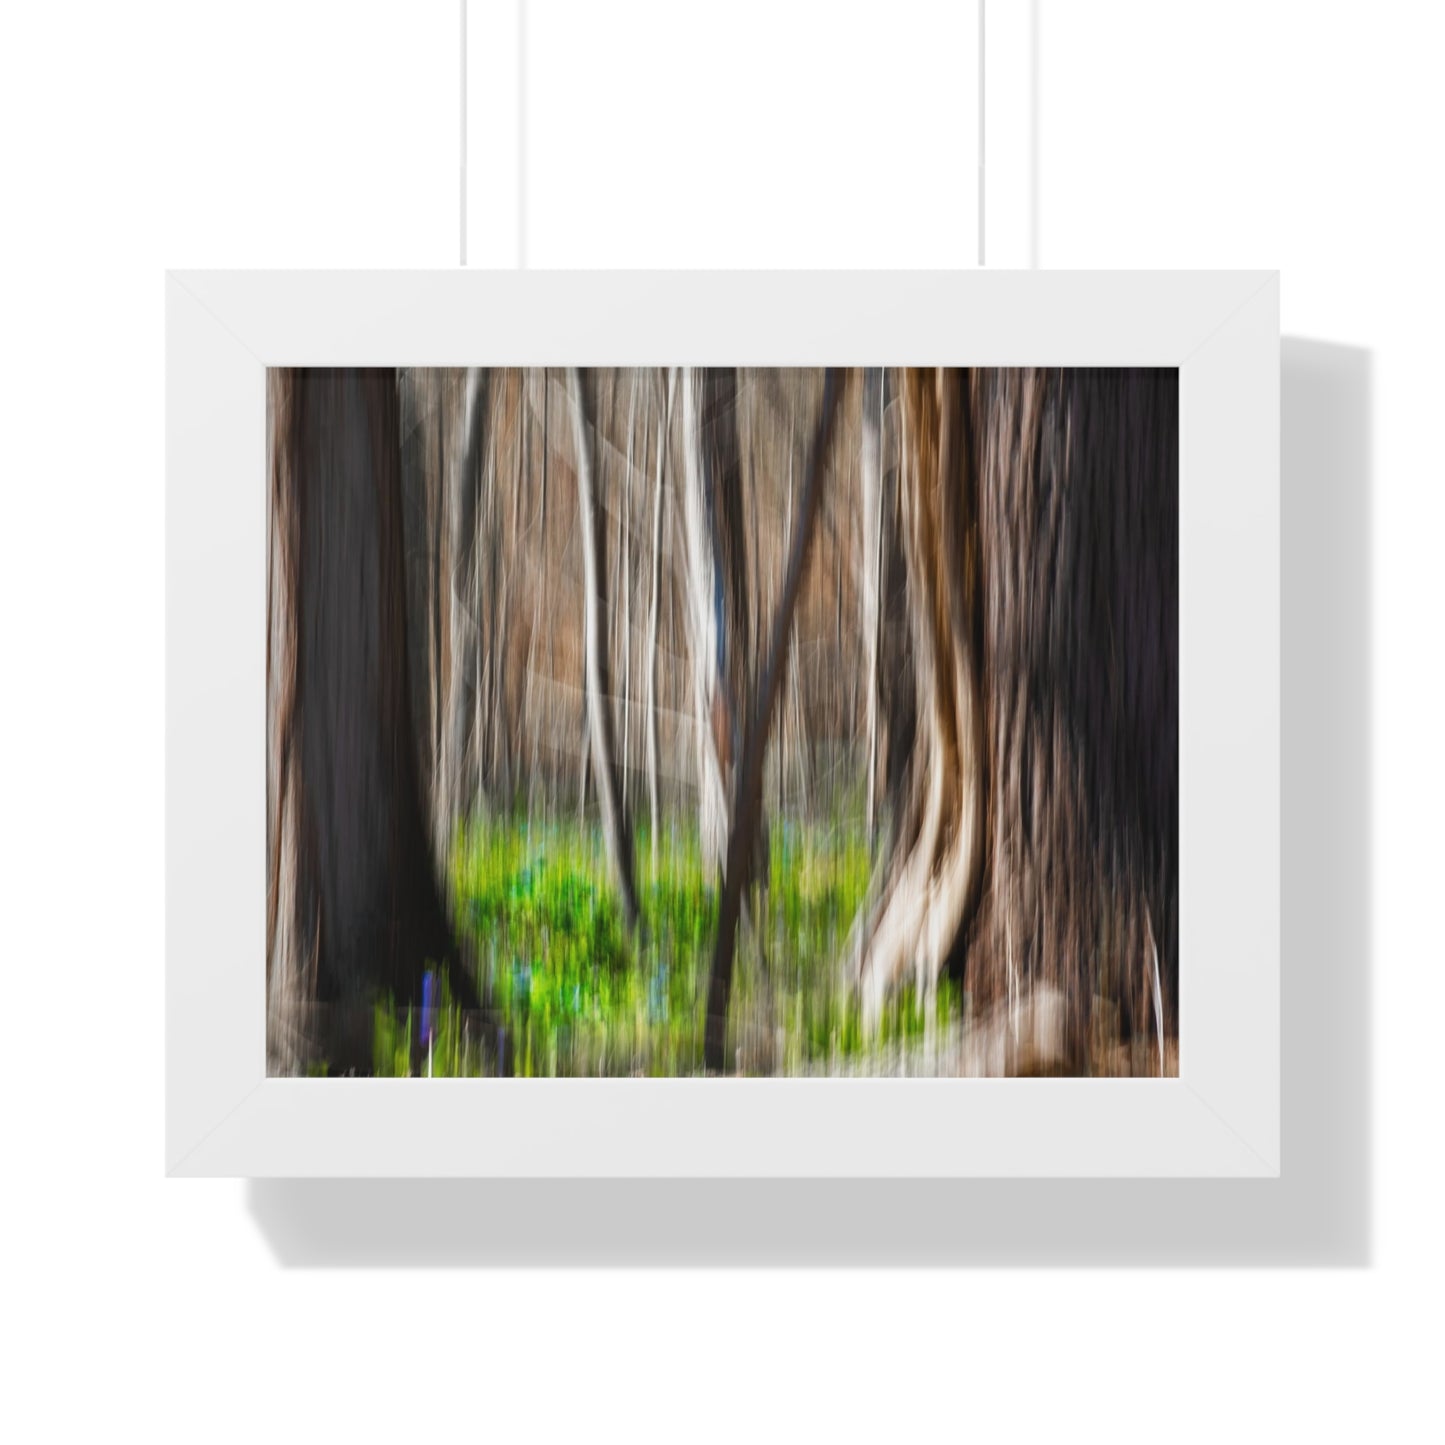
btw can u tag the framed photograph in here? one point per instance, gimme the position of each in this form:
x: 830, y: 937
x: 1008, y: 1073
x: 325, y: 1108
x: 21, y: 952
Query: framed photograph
x: 723, y: 724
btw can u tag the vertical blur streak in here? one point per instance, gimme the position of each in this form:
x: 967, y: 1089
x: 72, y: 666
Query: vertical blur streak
x: 749, y: 794
x: 353, y: 901
x: 932, y: 880
x: 615, y: 827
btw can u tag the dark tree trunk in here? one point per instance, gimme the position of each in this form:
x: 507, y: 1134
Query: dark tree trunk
x: 896, y: 684
x: 720, y: 420
x: 740, y: 860
x: 354, y: 910
x: 1078, y: 506
x: 720, y: 639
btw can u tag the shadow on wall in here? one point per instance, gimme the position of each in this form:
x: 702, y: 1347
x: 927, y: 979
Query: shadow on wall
x: 1317, y: 1213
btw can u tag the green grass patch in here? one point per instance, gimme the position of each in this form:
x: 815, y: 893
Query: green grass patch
x: 578, y: 996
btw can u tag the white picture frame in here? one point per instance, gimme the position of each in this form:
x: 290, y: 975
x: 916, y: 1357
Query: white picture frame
x: 1219, y: 1118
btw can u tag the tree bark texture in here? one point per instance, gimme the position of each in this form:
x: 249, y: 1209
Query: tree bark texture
x: 353, y: 906
x: 1035, y: 837
x: 932, y: 877
x: 740, y: 860
x: 616, y: 827
x: 1078, y: 506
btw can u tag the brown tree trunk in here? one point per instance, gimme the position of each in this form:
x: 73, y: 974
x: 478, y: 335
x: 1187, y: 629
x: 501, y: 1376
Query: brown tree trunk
x: 1034, y: 848
x: 353, y: 907
x: 932, y: 876
x: 1078, y: 507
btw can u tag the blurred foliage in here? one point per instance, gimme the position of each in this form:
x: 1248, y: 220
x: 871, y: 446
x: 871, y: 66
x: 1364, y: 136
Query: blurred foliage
x: 577, y: 996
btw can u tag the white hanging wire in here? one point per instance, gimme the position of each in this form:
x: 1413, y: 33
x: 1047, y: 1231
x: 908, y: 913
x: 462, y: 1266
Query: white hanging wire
x: 981, y: 8
x: 522, y: 121
x: 464, y: 132
x: 521, y: 135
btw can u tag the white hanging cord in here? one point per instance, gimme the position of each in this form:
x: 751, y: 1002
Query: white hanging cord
x: 464, y: 131
x: 521, y: 135
x: 522, y: 144
x: 980, y: 132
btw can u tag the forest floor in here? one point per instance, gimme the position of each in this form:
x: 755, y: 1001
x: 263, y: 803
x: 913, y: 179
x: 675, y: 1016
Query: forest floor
x: 577, y: 995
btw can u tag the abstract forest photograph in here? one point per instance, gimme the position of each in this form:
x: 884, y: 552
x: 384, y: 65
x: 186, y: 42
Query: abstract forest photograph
x: 701, y: 721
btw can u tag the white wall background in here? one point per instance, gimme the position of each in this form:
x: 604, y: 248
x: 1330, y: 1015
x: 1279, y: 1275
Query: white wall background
x: 136, y: 137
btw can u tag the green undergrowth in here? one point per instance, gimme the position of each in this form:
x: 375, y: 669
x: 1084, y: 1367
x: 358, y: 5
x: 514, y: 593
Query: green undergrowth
x: 575, y: 994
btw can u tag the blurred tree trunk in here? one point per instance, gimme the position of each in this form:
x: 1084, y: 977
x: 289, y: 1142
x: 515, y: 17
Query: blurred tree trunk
x: 664, y: 432
x: 461, y: 522
x: 353, y: 907
x: 932, y: 875
x: 717, y: 592
x: 897, y: 685
x: 870, y: 471
x: 616, y: 828
x: 624, y: 574
x: 1035, y: 845
x: 1078, y: 509
x: 740, y: 858
x: 459, y: 762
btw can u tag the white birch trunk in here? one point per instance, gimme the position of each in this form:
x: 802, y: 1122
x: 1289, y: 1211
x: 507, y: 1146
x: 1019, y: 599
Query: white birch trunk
x: 615, y: 830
